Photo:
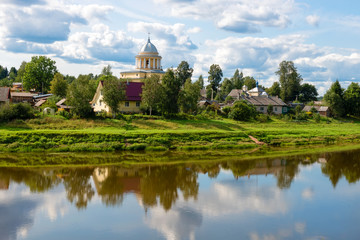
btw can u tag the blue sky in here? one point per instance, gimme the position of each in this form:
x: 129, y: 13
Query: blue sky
x: 320, y: 37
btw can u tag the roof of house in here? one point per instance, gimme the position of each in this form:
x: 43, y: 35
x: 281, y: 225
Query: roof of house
x: 264, y: 100
x: 41, y: 96
x: 235, y: 93
x: 40, y: 102
x: 318, y: 108
x: 59, y: 103
x: 22, y: 94
x: 133, y: 91
x: 256, y: 89
x: 4, y: 94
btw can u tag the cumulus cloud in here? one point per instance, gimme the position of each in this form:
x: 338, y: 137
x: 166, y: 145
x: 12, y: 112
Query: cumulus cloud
x: 244, y: 16
x: 260, y: 57
x: 46, y: 23
x: 313, y: 20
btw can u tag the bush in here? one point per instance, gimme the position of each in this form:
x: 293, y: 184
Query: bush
x: 10, y: 112
x: 242, y: 111
x: 226, y: 110
x: 317, y: 117
x: 263, y: 118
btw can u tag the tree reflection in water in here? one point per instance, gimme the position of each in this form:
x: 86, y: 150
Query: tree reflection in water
x: 163, y: 184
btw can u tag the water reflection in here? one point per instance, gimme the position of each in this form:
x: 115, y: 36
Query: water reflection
x: 155, y: 185
x: 172, y: 197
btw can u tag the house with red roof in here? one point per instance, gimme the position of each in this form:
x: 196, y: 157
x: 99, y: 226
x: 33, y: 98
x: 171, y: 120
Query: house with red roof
x: 132, y: 101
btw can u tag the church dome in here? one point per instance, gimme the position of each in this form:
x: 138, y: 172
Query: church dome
x: 149, y: 48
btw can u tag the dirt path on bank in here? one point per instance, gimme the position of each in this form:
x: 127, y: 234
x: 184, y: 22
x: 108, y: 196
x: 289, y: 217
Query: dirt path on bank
x: 256, y: 141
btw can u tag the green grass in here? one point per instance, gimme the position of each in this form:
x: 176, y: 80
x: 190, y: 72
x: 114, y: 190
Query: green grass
x: 56, y: 134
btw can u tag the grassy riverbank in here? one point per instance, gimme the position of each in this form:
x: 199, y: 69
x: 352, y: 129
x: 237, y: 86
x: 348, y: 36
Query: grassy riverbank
x: 54, y: 134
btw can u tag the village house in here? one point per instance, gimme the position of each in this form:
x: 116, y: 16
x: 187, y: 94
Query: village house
x: 18, y: 97
x: 260, y: 99
x: 130, y: 104
x: 322, y: 110
x: 4, y: 95
x: 262, y: 103
x: 147, y: 63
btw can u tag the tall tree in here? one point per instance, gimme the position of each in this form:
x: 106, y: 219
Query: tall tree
x: 152, y: 93
x: 250, y: 82
x: 114, y: 92
x: 274, y: 90
x: 335, y: 99
x: 39, y: 72
x: 80, y: 93
x: 290, y: 81
x: 3, y: 72
x: 20, y: 72
x: 183, y: 72
x: 226, y: 86
x: 308, y: 93
x: 172, y: 87
x: 189, y: 97
x: 59, y: 85
x: 352, y: 99
x: 237, y: 79
x: 200, y: 82
x: 215, y: 75
x: 106, y: 71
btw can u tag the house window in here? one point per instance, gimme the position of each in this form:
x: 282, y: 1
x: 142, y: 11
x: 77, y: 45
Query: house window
x: 137, y: 104
x: 137, y: 74
x: 100, y: 103
x: 101, y: 92
x: 261, y: 108
x: 275, y: 109
x: 127, y: 104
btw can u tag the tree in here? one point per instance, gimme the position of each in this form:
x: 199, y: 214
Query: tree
x: 152, y: 93
x: 226, y: 87
x: 274, y: 90
x: 80, y: 93
x: 270, y: 109
x: 189, y: 97
x: 106, y: 71
x: 308, y: 93
x: 335, y: 99
x: 3, y: 72
x: 20, y: 72
x: 114, y: 92
x: 237, y: 80
x: 38, y: 73
x: 171, y: 85
x: 59, y: 85
x: 352, y: 99
x: 250, y: 82
x: 183, y: 72
x: 215, y: 75
x: 242, y: 111
x: 200, y: 82
x: 12, y: 74
x: 289, y: 80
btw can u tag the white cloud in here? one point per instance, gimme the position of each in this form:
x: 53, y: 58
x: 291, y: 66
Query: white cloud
x: 244, y: 16
x: 260, y: 57
x: 313, y: 20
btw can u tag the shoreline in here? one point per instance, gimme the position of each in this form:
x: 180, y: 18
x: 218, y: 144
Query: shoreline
x: 85, y: 159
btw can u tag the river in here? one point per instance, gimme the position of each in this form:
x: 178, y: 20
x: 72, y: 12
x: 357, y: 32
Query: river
x: 304, y: 197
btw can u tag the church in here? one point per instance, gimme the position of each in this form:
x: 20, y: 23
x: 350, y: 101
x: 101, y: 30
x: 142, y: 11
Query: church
x: 147, y: 63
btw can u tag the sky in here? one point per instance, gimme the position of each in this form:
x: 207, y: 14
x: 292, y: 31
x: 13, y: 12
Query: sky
x: 321, y: 37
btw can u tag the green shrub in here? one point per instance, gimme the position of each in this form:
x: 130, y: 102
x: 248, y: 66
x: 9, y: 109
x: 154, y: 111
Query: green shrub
x: 242, y: 111
x: 10, y: 112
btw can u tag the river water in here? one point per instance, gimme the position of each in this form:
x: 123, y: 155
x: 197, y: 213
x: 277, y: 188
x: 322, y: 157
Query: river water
x: 304, y: 197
